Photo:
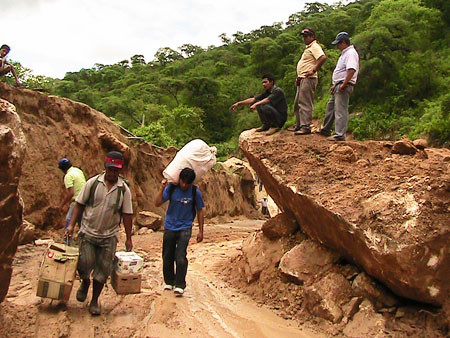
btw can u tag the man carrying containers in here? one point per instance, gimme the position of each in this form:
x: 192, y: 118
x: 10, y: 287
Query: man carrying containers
x: 104, y: 201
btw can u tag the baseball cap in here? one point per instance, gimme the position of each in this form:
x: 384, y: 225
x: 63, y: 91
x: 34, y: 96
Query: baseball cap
x: 340, y: 37
x: 114, y: 159
x: 64, y: 164
x: 308, y: 31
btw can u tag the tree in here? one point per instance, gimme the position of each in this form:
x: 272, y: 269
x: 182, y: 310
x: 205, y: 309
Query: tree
x: 137, y: 60
x: 190, y: 50
x: 167, y: 55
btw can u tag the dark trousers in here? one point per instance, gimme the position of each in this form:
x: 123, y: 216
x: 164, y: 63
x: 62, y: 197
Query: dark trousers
x: 270, y: 117
x: 174, y: 252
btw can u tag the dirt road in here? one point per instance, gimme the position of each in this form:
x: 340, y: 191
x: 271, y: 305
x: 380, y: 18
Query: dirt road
x: 209, y: 308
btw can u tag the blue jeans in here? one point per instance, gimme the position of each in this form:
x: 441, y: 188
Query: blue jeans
x: 69, y: 216
x: 175, y: 245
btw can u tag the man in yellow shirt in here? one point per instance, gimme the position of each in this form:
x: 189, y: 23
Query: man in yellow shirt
x: 307, y: 67
x: 74, y: 181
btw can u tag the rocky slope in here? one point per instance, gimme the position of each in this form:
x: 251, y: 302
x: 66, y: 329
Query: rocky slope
x: 385, y: 212
x: 12, y: 153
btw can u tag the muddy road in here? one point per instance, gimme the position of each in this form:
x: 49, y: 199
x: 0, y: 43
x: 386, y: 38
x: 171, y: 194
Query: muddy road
x: 209, y: 308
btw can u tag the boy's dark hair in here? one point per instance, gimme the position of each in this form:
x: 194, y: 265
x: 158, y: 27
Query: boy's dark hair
x: 269, y: 77
x: 346, y: 40
x: 5, y: 47
x: 187, y: 175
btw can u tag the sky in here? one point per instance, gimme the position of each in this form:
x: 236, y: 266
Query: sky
x: 52, y: 37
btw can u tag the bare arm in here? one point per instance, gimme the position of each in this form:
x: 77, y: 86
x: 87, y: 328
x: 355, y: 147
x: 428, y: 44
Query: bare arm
x: 67, y: 197
x: 201, y: 220
x: 348, y: 77
x: 320, y: 62
x: 128, y: 224
x: 259, y: 103
x: 245, y: 102
x: 159, y: 196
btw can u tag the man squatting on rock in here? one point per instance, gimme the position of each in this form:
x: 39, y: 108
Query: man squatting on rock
x: 104, y: 201
x: 309, y: 64
x: 74, y: 181
x: 5, y: 66
x: 185, y: 200
x: 344, y: 78
x: 271, y: 106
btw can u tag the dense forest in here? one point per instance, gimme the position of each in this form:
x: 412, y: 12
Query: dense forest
x: 403, y: 85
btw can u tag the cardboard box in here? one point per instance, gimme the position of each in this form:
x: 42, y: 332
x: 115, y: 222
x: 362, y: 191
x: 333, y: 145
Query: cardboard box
x: 129, y: 262
x: 126, y: 283
x: 57, y: 271
x: 54, y: 290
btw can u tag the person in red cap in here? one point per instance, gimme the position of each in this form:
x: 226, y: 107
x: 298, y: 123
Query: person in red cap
x: 104, y: 201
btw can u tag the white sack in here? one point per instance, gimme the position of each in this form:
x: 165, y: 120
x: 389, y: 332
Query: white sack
x: 196, y: 155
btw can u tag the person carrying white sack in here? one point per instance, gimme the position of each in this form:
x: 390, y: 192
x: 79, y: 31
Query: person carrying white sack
x: 196, y: 155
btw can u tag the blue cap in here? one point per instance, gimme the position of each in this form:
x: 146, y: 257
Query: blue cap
x: 341, y: 36
x: 64, y: 164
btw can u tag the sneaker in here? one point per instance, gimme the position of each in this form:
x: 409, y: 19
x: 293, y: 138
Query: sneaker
x: 335, y: 138
x: 294, y: 128
x: 272, y: 131
x: 94, y: 309
x: 303, y: 131
x: 83, y: 290
x: 262, y: 128
x: 168, y: 287
x: 178, y: 292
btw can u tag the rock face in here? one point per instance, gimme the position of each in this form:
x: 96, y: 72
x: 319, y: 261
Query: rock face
x: 404, y: 244
x: 279, y: 226
x: 57, y: 127
x: 12, y: 153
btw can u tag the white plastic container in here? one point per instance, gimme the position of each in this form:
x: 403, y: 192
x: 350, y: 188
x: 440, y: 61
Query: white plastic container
x: 196, y: 155
x: 129, y: 262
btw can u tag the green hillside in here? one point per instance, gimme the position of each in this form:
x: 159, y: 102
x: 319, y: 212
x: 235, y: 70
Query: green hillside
x: 403, y: 84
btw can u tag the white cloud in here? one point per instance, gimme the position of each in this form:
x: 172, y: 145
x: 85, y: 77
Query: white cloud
x: 53, y: 37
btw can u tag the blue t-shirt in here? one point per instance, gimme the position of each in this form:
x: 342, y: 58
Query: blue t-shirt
x: 180, y: 213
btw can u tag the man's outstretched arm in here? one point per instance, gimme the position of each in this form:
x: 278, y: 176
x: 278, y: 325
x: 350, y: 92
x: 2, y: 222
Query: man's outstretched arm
x: 246, y: 102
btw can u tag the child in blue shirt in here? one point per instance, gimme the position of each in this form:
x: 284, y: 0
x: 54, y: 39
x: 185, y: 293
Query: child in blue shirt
x: 185, y: 200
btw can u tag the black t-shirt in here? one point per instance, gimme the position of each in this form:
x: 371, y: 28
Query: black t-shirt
x: 277, y: 100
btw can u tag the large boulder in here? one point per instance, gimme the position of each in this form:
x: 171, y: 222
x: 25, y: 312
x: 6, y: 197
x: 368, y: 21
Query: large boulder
x: 260, y: 253
x: 404, y: 246
x: 148, y: 219
x: 12, y: 152
x: 327, y: 297
x: 282, y: 225
x: 307, y: 260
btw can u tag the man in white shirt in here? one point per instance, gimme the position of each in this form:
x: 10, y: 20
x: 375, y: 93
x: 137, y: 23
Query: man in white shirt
x: 344, y: 78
